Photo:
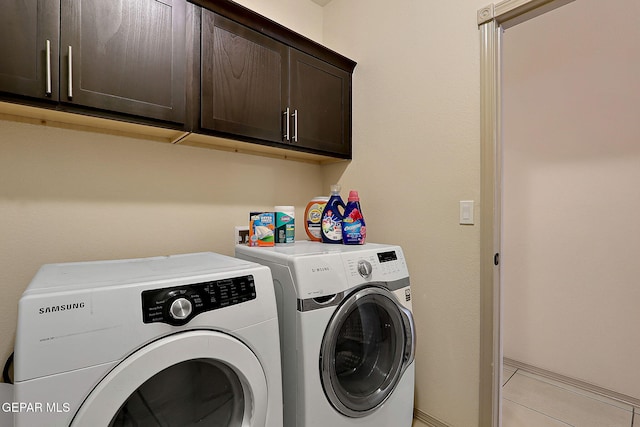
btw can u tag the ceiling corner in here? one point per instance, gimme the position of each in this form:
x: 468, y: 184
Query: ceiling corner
x: 321, y: 2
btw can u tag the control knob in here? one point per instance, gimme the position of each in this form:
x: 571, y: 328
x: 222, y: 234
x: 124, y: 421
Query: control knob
x: 365, y: 268
x: 180, y: 309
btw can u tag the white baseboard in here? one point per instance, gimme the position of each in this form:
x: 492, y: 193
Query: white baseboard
x: 573, y: 382
x: 428, y: 419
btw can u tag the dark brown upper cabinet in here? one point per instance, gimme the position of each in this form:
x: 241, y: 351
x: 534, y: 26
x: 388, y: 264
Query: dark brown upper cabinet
x: 320, y: 105
x: 116, y: 56
x: 204, y: 67
x: 244, y: 80
x: 29, y: 40
x: 125, y: 56
x: 256, y: 86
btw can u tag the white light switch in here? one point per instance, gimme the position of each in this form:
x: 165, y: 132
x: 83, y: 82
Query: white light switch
x: 466, y: 211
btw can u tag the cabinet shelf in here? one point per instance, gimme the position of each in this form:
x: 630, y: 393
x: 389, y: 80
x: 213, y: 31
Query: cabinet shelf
x: 81, y: 122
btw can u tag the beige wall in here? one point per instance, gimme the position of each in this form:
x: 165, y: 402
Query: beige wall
x: 571, y: 174
x: 71, y: 195
x: 302, y: 16
x: 416, y: 155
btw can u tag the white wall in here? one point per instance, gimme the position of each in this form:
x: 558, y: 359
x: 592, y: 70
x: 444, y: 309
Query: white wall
x: 571, y: 193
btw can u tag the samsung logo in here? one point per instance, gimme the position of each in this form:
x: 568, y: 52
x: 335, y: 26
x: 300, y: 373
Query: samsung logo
x: 63, y: 307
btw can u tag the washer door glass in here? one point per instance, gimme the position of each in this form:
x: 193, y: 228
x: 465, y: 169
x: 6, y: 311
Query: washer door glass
x: 195, y: 392
x: 202, y: 378
x: 363, y: 351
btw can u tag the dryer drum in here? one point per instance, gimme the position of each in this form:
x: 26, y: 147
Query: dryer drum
x: 363, y: 351
x: 358, y: 345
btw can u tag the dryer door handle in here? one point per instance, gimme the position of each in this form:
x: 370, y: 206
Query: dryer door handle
x: 410, y: 337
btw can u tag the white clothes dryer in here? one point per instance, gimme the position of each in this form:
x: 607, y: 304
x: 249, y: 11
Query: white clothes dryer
x: 179, y: 341
x: 347, y: 333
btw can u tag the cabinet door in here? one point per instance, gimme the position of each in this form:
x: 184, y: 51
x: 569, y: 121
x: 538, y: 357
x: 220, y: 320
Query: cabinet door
x: 125, y: 56
x: 29, y: 39
x: 244, y: 80
x: 321, y: 99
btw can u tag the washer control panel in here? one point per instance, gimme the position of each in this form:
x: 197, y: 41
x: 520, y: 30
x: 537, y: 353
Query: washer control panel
x: 365, y: 268
x: 378, y: 265
x: 178, y: 305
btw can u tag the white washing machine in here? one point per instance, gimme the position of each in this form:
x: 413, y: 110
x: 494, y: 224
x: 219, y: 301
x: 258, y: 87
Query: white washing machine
x: 182, y: 340
x: 347, y: 333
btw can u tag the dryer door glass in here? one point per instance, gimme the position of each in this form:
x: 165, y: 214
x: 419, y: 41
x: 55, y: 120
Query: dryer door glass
x: 195, y: 392
x: 200, y: 377
x: 363, y: 352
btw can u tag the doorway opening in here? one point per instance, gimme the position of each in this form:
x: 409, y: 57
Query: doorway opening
x: 493, y: 21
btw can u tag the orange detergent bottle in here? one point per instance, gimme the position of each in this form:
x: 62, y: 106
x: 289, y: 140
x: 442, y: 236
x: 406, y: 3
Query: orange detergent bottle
x: 313, y: 217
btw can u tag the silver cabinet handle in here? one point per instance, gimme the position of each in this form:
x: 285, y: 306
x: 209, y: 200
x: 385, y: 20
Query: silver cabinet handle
x: 70, y: 91
x: 286, y: 124
x: 295, y: 125
x: 48, y: 88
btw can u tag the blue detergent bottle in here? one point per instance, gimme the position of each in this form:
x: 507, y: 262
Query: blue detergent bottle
x: 354, y: 231
x: 331, y: 224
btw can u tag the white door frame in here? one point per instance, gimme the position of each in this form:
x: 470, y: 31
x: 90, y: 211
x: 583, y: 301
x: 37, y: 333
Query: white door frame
x: 492, y: 20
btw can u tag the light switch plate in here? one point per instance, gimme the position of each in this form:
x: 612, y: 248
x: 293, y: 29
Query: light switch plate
x: 466, y: 212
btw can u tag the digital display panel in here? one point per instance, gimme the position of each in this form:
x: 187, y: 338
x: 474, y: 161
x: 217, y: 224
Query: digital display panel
x: 387, y: 256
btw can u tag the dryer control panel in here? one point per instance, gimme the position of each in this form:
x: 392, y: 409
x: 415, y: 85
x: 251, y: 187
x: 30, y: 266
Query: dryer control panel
x: 177, y: 305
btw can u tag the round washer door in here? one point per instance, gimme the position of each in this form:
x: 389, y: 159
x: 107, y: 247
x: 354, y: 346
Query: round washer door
x: 366, y: 347
x: 202, y: 378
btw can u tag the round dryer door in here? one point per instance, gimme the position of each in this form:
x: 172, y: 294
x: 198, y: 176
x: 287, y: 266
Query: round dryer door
x: 366, y: 347
x: 196, y: 378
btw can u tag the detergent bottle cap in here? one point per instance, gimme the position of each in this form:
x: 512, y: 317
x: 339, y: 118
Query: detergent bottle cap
x: 353, y: 196
x: 335, y: 189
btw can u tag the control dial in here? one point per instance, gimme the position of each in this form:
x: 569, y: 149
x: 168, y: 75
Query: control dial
x: 180, y: 308
x: 365, y: 268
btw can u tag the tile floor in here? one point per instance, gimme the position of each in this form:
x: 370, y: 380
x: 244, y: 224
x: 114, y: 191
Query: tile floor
x: 529, y: 400
x: 532, y: 401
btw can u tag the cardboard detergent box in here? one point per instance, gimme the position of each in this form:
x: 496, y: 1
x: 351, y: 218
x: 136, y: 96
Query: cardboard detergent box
x: 261, y: 228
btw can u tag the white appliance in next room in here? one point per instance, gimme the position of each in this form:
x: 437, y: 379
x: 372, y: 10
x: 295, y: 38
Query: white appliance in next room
x: 183, y: 340
x: 347, y: 333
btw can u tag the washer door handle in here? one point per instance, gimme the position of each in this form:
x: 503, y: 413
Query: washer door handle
x: 410, y: 336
